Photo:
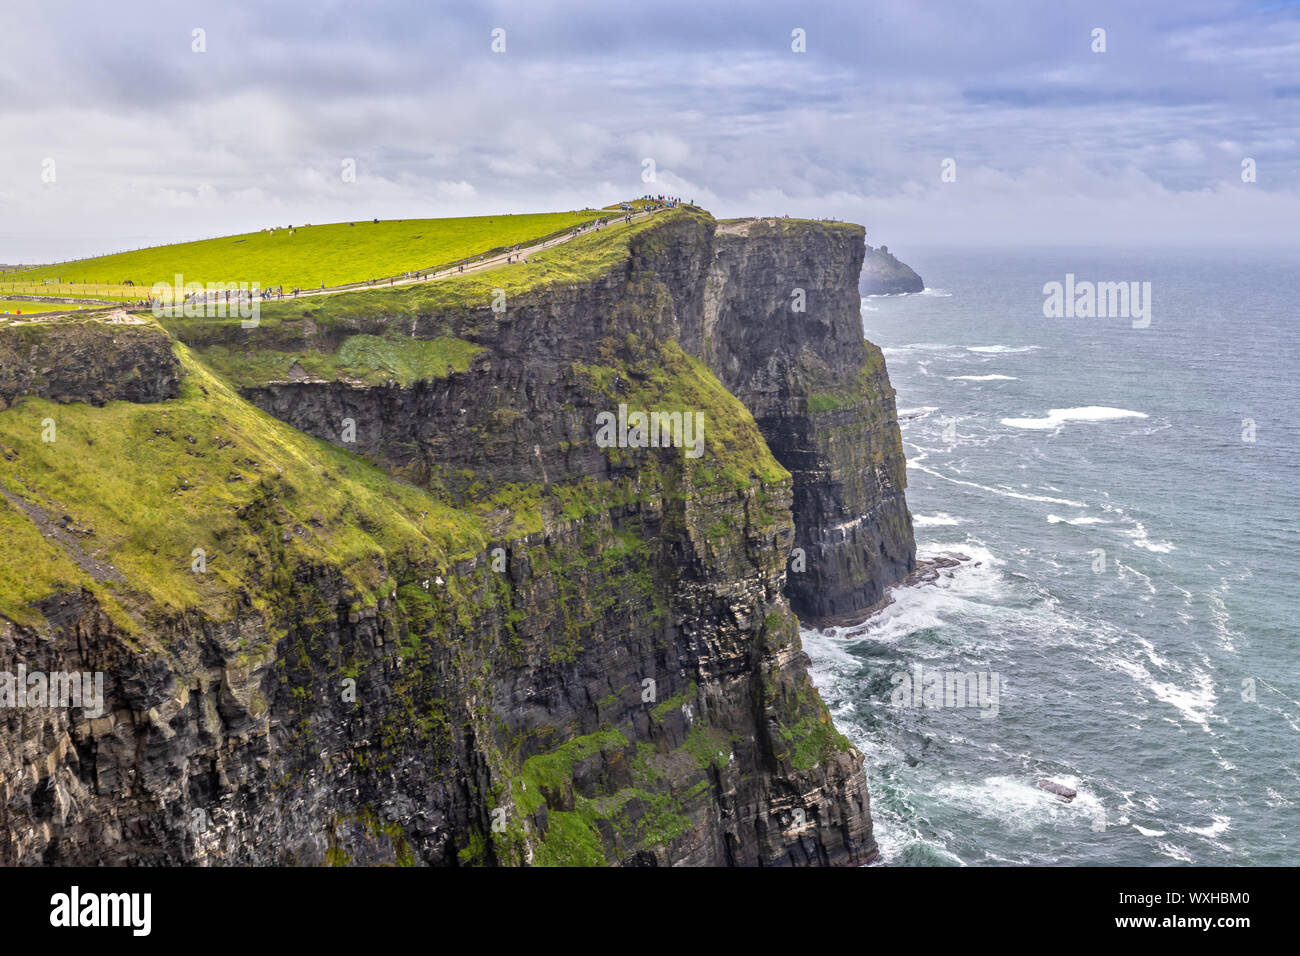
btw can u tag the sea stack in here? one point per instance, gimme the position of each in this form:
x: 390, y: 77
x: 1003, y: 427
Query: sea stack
x: 882, y: 274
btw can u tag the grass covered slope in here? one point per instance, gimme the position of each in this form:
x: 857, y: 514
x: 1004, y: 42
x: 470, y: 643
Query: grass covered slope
x: 141, y: 486
x: 336, y: 254
x: 663, y: 378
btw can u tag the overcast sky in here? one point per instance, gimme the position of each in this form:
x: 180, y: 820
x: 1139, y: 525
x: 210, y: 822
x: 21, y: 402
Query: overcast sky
x: 148, y: 141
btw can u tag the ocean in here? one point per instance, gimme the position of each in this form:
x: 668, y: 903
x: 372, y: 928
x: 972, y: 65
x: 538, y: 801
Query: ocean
x: 1126, y: 504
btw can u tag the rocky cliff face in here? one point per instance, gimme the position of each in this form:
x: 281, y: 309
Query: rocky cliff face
x: 785, y: 335
x: 555, y: 652
x: 95, y: 361
x: 883, y: 274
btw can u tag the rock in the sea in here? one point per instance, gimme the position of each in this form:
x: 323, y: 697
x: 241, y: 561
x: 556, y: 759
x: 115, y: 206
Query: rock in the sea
x: 1061, y: 790
x: 882, y: 274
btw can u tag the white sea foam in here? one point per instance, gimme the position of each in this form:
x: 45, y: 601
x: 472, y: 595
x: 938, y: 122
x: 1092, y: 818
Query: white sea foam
x: 1056, y: 417
x: 1149, y: 833
x: 1219, y: 615
x: 982, y: 378
x: 1001, y: 349
x: 1195, y: 703
x: 1175, y: 852
x: 898, y: 295
x: 1125, y: 570
x: 930, y: 521
x: 830, y: 656
x: 1155, y: 657
x: 1086, y: 519
x: 901, y: 619
x: 1020, y: 804
x: 1140, y: 538
x: 1219, y: 825
x: 999, y: 491
x: 975, y: 589
x: 921, y: 347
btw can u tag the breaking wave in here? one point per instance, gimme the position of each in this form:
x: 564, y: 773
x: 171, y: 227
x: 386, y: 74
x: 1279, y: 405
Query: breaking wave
x: 1056, y: 417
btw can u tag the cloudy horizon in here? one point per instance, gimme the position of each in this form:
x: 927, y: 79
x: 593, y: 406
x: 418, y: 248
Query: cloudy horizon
x: 118, y: 133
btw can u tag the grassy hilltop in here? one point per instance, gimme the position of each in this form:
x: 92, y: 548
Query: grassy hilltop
x: 306, y: 256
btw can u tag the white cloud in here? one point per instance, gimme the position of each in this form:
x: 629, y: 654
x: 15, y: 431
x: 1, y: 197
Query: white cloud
x: 1052, y: 143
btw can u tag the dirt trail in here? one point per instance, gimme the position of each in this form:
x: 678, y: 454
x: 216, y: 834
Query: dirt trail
x: 65, y: 533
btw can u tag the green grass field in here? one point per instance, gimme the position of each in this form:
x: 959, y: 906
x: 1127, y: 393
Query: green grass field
x: 14, y: 306
x: 335, y: 254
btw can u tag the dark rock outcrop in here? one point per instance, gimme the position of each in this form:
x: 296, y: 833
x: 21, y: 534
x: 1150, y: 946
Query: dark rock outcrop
x: 95, y: 361
x: 883, y: 274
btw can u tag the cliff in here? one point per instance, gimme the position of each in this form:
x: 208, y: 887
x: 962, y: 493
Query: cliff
x: 883, y: 274
x: 820, y: 395
x: 364, y: 589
